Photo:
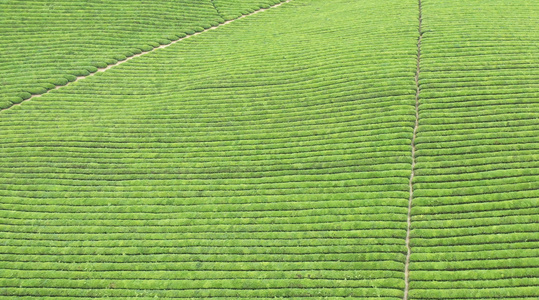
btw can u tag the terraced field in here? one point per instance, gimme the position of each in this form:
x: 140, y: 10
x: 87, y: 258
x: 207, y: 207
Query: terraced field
x: 317, y: 149
x: 49, y: 43
x: 475, y: 215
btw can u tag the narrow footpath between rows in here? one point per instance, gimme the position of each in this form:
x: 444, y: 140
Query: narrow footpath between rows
x: 409, y: 219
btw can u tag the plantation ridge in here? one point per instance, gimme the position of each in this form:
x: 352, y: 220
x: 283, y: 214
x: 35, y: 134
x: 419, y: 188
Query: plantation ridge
x: 267, y: 149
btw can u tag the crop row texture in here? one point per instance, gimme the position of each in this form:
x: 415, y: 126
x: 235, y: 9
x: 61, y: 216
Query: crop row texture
x: 271, y: 157
x: 475, y: 215
x: 49, y: 43
x: 267, y: 158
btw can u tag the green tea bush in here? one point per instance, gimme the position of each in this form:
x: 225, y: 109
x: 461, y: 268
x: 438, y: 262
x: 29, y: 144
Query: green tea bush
x: 71, y: 35
x: 240, y: 175
x: 475, y: 190
x: 255, y: 161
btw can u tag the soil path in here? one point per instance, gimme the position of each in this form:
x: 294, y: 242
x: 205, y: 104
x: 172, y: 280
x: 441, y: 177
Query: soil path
x: 411, y: 184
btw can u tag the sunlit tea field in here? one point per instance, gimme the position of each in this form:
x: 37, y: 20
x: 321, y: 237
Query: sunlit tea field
x: 259, y: 149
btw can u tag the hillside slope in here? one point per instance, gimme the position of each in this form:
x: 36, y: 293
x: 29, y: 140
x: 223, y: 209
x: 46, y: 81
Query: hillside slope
x: 475, y: 229
x: 48, y: 43
x: 266, y: 158
x: 277, y: 156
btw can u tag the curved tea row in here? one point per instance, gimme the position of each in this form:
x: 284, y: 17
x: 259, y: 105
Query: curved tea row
x: 267, y: 158
x: 45, y: 45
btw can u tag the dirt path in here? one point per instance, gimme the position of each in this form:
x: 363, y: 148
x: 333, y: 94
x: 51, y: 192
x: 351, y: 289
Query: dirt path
x: 409, y: 218
x: 145, y: 52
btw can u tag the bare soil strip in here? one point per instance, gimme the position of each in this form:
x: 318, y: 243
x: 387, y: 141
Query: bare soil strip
x: 409, y: 219
x: 145, y: 52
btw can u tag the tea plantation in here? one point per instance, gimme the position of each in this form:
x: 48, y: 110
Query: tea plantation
x: 48, y: 43
x: 314, y: 150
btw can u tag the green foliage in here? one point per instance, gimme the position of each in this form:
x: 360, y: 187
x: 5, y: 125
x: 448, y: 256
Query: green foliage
x: 233, y: 9
x: 59, y: 81
x: 251, y: 161
x: 9, y: 102
x: 24, y: 95
x: 71, y: 35
x: 474, y: 232
x: 80, y: 72
x: 146, y: 48
x: 269, y: 158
